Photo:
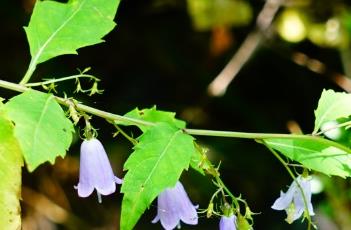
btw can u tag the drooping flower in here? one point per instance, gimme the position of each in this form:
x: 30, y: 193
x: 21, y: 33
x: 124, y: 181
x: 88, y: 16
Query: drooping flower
x: 173, y: 205
x: 95, y: 170
x: 293, y: 202
x: 227, y: 222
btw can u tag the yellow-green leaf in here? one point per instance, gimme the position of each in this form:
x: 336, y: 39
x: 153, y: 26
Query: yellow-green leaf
x: 10, y: 174
x: 61, y: 28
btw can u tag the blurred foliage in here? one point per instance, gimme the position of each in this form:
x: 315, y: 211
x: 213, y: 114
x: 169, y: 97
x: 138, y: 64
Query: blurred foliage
x: 328, y: 27
x: 207, y: 14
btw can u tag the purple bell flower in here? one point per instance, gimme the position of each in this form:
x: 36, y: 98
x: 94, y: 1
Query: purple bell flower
x: 173, y: 205
x: 95, y: 170
x: 227, y: 222
x: 292, y: 201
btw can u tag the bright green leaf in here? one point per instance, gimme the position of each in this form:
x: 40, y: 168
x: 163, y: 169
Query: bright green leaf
x: 331, y: 106
x: 41, y: 127
x: 315, y: 153
x: 153, y: 115
x: 61, y: 28
x: 157, y: 162
x: 10, y: 172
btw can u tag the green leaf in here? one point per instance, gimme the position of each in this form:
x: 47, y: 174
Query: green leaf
x: 10, y: 172
x: 41, y: 127
x: 331, y: 106
x: 153, y: 115
x: 315, y: 153
x: 61, y: 28
x: 157, y: 162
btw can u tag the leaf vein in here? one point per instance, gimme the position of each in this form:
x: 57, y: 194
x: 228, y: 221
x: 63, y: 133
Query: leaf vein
x: 41, y: 49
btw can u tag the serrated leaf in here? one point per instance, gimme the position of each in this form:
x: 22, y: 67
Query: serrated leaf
x: 61, y: 28
x: 41, y: 127
x: 315, y: 153
x: 10, y: 171
x: 331, y: 106
x: 157, y: 162
x: 152, y: 115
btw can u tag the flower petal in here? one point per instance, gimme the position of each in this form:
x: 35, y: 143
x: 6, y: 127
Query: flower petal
x: 84, y: 189
x: 98, y: 166
x: 156, y: 219
x: 187, y: 211
x: 298, y: 198
x: 118, y: 181
x: 85, y: 186
x: 227, y: 223
x: 95, y: 170
x: 284, y: 200
x: 167, y: 209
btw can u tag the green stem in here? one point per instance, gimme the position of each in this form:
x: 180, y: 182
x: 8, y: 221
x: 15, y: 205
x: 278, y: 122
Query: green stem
x: 81, y: 107
x: 234, y: 199
x: 294, y: 178
x: 29, y: 73
x: 132, y: 140
x: 62, y: 79
x: 245, y: 135
x: 197, y: 132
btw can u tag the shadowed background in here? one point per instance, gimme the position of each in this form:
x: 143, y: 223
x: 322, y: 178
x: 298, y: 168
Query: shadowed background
x: 166, y: 53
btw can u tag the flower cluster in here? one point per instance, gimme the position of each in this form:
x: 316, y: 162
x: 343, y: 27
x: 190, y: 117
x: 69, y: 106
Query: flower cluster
x: 174, y: 204
x: 96, y: 173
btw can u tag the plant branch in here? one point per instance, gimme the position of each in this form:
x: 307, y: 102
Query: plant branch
x: 29, y: 73
x: 196, y: 132
x: 62, y: 79
x: 264, y: 19
x: 308, y: 216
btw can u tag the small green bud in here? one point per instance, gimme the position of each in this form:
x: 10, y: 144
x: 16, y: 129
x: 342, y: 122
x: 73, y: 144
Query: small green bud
x: 94, y: 89
x: 209, y: 210
x: 243, y: 224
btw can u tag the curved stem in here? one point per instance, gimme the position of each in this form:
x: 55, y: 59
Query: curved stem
x: 234, y: 199
x: 29, y: 73
x: 294, y: 178
x: 62, y: 79
x: 197, y: 132
x: 245, y: 135
x: 129, y: 138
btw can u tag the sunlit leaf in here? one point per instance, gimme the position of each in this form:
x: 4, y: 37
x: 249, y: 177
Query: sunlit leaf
x: 10, y: 171
x: 41, y: 127
x: 331, y: 106
x: 61, y: 28
x: 315, y: 153
x: 157, y: 162
x: 153, y: 115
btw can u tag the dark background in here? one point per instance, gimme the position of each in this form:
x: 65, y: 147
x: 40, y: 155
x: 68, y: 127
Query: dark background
x: 156, y: 57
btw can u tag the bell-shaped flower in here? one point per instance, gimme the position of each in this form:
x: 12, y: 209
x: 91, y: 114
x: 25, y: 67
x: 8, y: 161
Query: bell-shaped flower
x: 227, y: 222
x: 95, y: 170
x: 293, y: 201
x: 173, y: 205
